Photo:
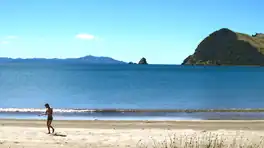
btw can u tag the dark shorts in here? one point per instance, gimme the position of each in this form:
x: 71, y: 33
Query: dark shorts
x: 50, y: 118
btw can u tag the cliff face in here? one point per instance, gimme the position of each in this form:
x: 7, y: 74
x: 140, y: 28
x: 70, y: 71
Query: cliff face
x: 226, y: 47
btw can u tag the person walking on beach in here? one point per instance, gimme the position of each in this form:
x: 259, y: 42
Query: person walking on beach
x: 49, y: 112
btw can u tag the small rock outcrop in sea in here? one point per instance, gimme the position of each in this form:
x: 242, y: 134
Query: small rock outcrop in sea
x: 226, y: 47
x: 131, y: 63
x: 143, y: 61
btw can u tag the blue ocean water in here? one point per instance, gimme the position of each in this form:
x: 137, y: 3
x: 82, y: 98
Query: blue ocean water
x: 79, y: 85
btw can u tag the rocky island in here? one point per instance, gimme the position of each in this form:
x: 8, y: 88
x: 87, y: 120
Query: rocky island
x: 143, y: 61
x: 226, y: 47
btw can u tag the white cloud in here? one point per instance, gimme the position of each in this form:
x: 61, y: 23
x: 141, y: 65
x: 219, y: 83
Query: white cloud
x: 4, y: 42
x: 12, y: 37
x: 85, y: 36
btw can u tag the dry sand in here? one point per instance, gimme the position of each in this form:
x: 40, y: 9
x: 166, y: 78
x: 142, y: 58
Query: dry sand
x: 85, y: 134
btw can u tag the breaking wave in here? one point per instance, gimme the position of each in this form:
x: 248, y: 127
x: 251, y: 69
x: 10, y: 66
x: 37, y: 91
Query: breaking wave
x: 129, y: 110
x: 43, y: 110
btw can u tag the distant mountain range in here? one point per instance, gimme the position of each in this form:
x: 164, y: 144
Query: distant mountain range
x: 87, y: 59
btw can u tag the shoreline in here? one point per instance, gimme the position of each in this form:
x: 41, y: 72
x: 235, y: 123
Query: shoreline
x: 143, y: 124
x: 138, y: 116
x: 120, y: 110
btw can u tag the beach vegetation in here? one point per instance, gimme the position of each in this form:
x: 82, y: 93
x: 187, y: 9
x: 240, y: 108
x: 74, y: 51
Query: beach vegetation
x: 208, y: 140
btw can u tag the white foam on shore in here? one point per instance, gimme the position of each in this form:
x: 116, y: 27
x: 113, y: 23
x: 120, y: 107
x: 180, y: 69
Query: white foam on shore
x: 43, y: 110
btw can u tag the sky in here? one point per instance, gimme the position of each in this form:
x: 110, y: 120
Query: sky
x: 162, y: 31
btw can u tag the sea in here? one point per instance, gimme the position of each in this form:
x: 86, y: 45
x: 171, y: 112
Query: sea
x: 81, y: 91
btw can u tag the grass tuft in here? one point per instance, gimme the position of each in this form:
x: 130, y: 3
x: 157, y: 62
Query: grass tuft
x: 209, y: 140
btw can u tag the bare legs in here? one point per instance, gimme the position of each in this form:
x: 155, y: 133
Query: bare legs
x: 49, y: 126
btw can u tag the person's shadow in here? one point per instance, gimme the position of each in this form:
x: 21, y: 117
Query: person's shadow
x: 60, y: 135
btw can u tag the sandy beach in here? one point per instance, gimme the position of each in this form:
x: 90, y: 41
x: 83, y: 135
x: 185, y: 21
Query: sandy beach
x: 86, y: 134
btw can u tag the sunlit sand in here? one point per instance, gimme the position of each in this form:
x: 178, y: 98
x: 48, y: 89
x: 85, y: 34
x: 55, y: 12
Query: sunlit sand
x: 85, y: 134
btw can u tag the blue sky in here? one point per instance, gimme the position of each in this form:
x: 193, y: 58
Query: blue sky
x: 163, y: 31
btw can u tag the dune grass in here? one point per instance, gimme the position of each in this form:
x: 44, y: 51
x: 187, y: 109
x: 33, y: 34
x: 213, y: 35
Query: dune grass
x: 205, y: 141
